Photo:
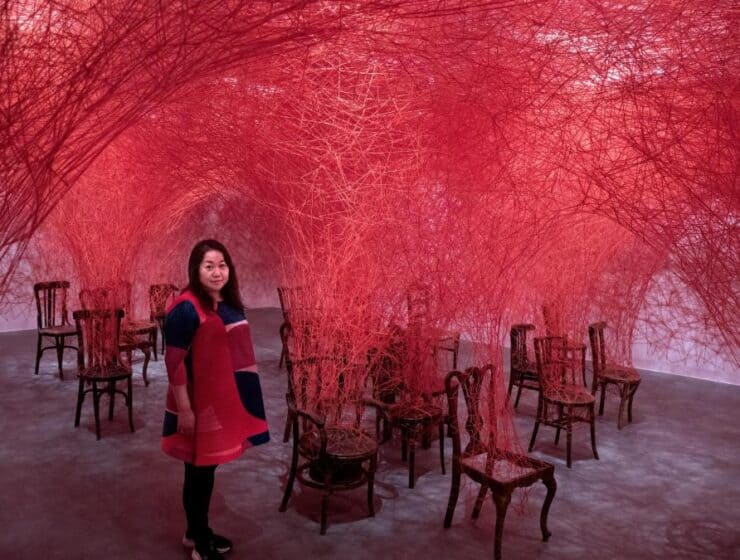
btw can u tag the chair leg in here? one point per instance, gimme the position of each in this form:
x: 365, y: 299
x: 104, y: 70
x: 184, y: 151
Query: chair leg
x: 454, y: 493
x: 593, y: 434
x: 147, y: 356
x: 412, y: 456
x: 59, y: 343
x: 518, y: 395
x: 603, y: 395
x: 511, y: 382
x: 38, y: 353
x: 442, y: 445
x: 153, y: 340
x: 288, y: 425
x: 479, y: 500
x: 80, y: 398
x: 560, y: 418
x: 623, y: 397
x: 568, y: 441
x: 130, y: 402
x: 371, y: 484
x: 282, y: 357
x: 96, y: 407
x: 293, y: 468
x: 111, y: 398
x: 534, y: 434
x: 551, y: 486
x: 629, y: 406
x: 502, y: 504
x: 325, y: 500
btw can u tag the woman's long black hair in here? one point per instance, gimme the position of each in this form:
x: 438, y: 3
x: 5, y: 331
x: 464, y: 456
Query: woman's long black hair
x: 230, y: 291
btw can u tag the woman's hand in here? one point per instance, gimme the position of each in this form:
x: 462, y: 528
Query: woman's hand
x: 186, y: 422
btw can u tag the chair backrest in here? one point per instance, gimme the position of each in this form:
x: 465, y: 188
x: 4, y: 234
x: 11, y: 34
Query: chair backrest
x: 385, y: 366
x: 160, y: 296
x: 324, y: 384
x: 550, y: 356
x: 477, y: 389
x: 51, y: 303
x: 98, y: 332
x: 290, y: 297
x: 518, y: 337
x: 598, y: 347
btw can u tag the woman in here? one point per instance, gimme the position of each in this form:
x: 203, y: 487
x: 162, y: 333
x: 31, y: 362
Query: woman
x: 214, y: 401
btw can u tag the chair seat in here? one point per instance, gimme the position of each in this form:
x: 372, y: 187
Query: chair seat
x: 138, y: 327
x: 61, y: 330
x: 527, y: 374
x: 569, y: 395
x: 105, y: 373
x: 620, y: 374
x: 343, y: 444
x: 501, y: 469
x: 414, y: 412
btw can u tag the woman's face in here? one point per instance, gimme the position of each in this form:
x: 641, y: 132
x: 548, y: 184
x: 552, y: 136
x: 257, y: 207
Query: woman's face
x: 214, y: 272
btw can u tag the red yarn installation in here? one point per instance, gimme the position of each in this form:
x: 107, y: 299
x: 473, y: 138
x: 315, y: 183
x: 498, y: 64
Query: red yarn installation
x: 501, y: 155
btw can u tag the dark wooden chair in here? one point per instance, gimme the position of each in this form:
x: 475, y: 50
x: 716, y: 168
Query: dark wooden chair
x: 52, y: 320
x: 624, y: 378
x: 563, y: 400
x: 414, y: 413
x: 332, y: 450
x: 133, y: 335
x: 482, y: 461
x: 99, y: 369
x: 522, y: 372
x: 554, y: 326
x: 160, y: 296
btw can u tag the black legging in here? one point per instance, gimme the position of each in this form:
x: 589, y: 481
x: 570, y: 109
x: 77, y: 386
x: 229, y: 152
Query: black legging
x: 196, y: 497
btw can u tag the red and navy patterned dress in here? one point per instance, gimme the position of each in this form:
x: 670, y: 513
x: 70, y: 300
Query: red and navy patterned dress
x: 212, y: 352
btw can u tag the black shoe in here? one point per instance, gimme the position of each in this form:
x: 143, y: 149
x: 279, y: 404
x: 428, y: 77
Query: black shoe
x: 220, y: 543
x: 206, y: 553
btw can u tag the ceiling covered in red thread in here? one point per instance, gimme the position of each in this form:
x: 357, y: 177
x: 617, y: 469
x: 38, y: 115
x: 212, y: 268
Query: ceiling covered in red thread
x: 504, y: 154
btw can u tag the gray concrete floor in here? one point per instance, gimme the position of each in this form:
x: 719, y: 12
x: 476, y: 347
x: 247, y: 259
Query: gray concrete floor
x: 666, y: 485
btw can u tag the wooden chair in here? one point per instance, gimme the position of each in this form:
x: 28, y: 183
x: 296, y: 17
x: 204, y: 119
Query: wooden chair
x: 482, y: 461
x: 562, y: 391
x: 523, y: 373
x: 52, y: 320
x: 332, y: 451
x: 554, y: 326
x: 133, y: 335
x: 160, y: 296
x: 98, y: 334
x: 414, y: 414
x: 625, y: 378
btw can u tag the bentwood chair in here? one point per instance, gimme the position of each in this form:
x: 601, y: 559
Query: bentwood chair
x: 413, y: 412
x: 160, y: 296
x: 624, y: 378
x: 563, y: 400
x: 52, y: 320
x: 481, y: 460
x: 132, y: 335
x: 522, y: 372
x: 332, y: 449
x: 99, y: 369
